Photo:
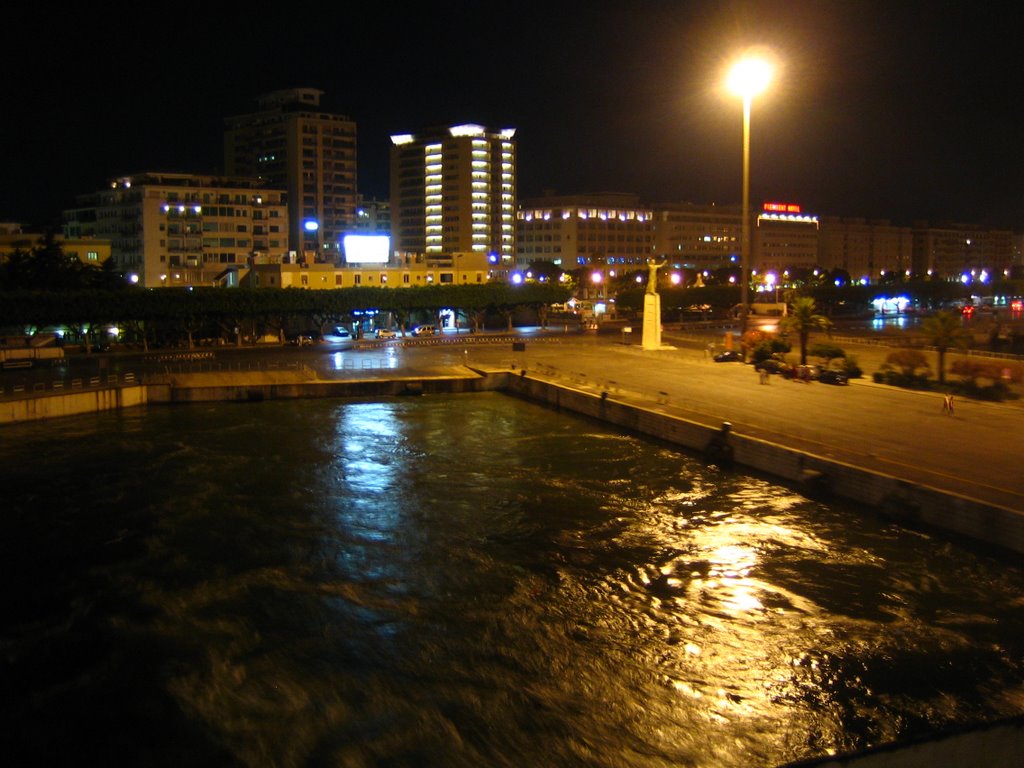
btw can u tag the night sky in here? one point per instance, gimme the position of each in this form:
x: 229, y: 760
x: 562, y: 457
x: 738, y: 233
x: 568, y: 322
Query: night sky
x: 897, y: 110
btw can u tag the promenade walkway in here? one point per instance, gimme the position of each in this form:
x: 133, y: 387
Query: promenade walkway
x: 976, y: 451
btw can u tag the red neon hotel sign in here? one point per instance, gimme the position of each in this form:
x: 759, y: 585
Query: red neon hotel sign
x: 781, y: 208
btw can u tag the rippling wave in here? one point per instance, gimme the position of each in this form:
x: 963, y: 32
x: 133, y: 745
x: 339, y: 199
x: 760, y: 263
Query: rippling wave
x: 465, y: 581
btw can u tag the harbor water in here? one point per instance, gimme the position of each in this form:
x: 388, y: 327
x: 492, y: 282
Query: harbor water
x: 466, y: 580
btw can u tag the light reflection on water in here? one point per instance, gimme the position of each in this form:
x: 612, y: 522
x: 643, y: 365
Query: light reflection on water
x: 469, y: 581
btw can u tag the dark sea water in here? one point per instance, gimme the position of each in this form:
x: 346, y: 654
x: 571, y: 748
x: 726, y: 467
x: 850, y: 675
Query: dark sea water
x: 463, y: 581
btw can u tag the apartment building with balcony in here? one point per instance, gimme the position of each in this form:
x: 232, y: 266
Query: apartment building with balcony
x: 168, y: 229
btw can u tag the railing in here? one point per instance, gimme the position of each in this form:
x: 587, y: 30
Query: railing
x: 19, y: 389
x: 897, y: 343
x: 210, y: 364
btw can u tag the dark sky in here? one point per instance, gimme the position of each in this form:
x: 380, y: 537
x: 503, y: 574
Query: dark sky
x: 899, y: 110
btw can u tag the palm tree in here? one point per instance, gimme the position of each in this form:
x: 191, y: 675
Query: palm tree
x: 944, y: 330
x: 802, y: 319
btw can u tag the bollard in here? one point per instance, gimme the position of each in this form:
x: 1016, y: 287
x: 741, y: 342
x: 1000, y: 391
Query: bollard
x: 718, y: 450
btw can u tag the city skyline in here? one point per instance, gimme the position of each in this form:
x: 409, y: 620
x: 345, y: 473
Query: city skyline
x: 902, y: 114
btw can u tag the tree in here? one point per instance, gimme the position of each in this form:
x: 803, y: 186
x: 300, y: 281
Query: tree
x: 944, y: 330
x: 802, y: 319
x: 827, y: 351
x: 545, y: 271
x: 46, y: 268
x: 910, y: 363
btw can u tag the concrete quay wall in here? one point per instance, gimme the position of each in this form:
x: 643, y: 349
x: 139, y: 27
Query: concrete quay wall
x: 908, y: 503
x: 72, y: 403
x: 256, y: 391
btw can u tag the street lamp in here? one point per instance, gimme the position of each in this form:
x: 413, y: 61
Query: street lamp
x: 747, y: 78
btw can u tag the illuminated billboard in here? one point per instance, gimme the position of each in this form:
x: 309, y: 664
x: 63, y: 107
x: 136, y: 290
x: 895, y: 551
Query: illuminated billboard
x: 367, y: 249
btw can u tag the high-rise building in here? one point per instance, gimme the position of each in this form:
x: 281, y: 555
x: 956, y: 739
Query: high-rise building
x: 294, y: 145
x: 373, y: 217
x: 175, y: 229
x: 453, y: 190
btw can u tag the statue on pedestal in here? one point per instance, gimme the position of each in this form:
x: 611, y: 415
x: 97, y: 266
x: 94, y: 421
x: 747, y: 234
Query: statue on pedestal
x: 652, y: 307
x: 652, y: 274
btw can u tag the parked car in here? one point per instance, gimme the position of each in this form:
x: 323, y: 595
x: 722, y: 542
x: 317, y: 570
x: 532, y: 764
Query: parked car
x: 729, y: 356
x: 338, y: 335
x: 424, y: 330
x: 385, y: 333
x: 771, y: 365
x: 833, y: 377
x: 807, y: 372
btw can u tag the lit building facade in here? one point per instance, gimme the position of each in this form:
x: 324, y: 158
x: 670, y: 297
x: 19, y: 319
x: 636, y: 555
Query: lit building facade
x: 400, y: 271
x: 181, y: 229
x: 574, y: 231
x: 292, y: 144
x: 962, y: 251
x: 784, y: 238
x: 698, y: 237
x: 453, y: 190
x: 866, y: 250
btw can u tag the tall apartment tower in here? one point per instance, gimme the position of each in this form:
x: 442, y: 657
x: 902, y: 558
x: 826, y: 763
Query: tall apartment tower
x: 453, y: 190
x: 293, y: 145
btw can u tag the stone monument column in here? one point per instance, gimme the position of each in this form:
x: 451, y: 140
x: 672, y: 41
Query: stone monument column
x: 652, y: 307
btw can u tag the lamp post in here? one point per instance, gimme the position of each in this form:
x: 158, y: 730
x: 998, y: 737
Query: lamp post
x: 747, y: 78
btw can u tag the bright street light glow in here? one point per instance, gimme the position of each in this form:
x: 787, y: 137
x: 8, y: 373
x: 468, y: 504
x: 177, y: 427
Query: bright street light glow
x: 749, y: 76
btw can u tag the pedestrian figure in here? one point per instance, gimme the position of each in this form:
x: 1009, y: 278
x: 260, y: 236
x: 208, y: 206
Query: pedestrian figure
x: 947, y: 404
